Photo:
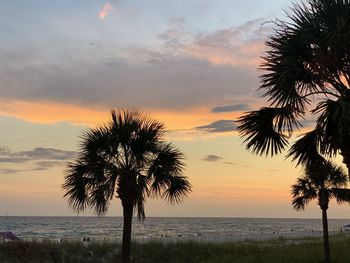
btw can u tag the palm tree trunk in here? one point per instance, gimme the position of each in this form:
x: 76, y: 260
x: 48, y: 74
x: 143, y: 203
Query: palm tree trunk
x: 126, y: 242
x: 327, y: 257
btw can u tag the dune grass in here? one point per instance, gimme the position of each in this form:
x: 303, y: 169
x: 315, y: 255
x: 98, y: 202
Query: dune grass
x: 279, y: 250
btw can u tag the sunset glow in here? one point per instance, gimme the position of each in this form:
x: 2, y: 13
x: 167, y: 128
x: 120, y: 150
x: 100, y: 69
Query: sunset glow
x: 193, y: 65
x: 107, y: 7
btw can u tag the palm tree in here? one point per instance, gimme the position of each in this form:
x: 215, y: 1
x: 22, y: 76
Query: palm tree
x: 308, y: 59
x: 126, y: 158
x: 322, y: 182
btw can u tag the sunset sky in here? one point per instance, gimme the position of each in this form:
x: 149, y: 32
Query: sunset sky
x: 191, y: 64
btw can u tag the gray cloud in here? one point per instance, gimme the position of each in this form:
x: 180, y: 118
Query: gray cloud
x: 14, y: 171
x: 10, y: 171
x: 212, y: 158
x: 165, y: 76
x: 231, y: 108
x: 308, y: 123
x: 219, y: 126
x: 160, y: 82
x: 37, y: 154
x: 4, y: 150
x: 48, y: 164
x: 40, y: 159
x: 13, y: 159
x: 47, y: 154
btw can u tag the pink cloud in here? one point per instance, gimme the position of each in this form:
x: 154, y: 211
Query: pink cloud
x: 105, y: 10
x: 241, y: 45
x: 235, y: 46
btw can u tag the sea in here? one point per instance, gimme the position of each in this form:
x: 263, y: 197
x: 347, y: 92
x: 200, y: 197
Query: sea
x: 166, y: 229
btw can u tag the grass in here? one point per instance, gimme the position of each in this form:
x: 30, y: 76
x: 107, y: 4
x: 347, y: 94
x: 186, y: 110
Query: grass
x: 280, y: 250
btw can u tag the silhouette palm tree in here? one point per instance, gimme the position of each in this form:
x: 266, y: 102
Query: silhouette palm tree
x: 308, y: 59
x: 129, y: 159
x: 322, y: 183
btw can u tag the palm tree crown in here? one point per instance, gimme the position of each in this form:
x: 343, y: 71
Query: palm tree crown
x: 323, y: 180
x: 308, y: 58
x: 322, y: 184
x: 126, y: 157
x: 129, y: 159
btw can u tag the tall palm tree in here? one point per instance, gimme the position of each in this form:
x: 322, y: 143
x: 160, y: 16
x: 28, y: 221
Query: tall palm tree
x: 322, y: 183
x: 126, y: 158
x: 308, y: 59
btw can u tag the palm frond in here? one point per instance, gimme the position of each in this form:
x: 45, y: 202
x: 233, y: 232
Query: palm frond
x: 178, y: 187
x: 76, y: 186
x: 289, y: 61
x: 336, y: 175
x: 304, y: 187
x: 334, y: 120
x: 99, y: 199
x: 142, y: 192
x: 306, y: 150
x: 125, y: 124
x: 341, y: 195
x: 146, y: 139
x: 268, y: 129
x: 167, y: 164
x: 300, y: 202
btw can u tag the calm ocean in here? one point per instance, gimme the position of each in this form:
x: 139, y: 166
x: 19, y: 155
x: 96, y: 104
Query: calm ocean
x: 165, y: 229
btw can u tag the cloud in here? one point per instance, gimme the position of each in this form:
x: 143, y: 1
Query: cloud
x: 307, y: 123
x: 107, y: 7
x: 163, y: 76
x: 38, y: 159
x: 217, y: 158
x: 175, y: 35
x: 231, y: 108
x: 242, y: 45
x: 15, y: 171
x: 219, y: 126
x: 10, y: 171
x: 39, y: 153
x: 48, y: 164
x: 4, y: 150
x: 212, y: 158
x: 13, y: 159
x: 161, y: 81
x: 47, y: 154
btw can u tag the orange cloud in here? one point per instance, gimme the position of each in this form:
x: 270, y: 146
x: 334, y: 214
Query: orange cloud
x: 53, y: 112
x: 50, y: 112
x: 105, y: 10
x: 179, y: 123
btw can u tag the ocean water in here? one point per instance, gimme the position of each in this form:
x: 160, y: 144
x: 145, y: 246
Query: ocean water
x: 165, y: 228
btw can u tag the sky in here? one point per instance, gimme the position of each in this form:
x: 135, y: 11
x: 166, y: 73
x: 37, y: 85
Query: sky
x: 192, y: 64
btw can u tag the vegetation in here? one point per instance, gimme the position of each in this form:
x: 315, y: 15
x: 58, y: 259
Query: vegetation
x: 128, y: 159
x: 321, y: 183
x: 308, y: 59
x: 280, y: 250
